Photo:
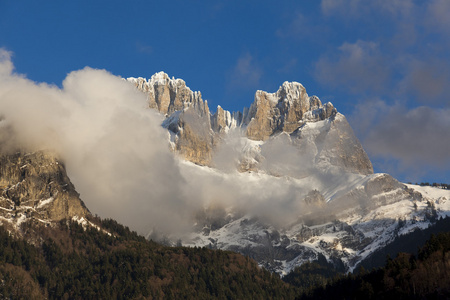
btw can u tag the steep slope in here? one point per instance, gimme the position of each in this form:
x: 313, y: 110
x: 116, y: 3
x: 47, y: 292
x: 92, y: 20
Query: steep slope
x: 188, y: 116
x: 78, y: 263
x: 337, y: 206
x: 286, y: 110
x: 35, y: 189
x: 425, y: 276
x: 53, y: 248
x: 196, y: 134
x: 345, y: 220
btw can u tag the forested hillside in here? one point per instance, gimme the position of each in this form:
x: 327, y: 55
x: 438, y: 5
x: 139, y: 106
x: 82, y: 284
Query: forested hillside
x: 425, y: 276
x: 74, y: 263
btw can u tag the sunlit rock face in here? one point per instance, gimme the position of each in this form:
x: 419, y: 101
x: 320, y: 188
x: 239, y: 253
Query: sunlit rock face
x: 317, y: 130
x: 188, y: 116
x: 35, y: 188
x: 286, y: 110
x: 331, y: 142
x: 308, y: 151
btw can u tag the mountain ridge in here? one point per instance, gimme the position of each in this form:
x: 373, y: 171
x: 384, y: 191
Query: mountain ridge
x: 287, y: 110
x: 300, y: 188
x: 344, y: 209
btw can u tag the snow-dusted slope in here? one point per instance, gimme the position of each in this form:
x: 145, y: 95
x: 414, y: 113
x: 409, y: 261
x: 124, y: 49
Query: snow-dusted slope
x: 305, y: 185
x: 340, y: 229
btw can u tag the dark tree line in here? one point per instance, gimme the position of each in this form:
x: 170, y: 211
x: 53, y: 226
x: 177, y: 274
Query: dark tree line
x: 73, y: 263
x: 422, y: 276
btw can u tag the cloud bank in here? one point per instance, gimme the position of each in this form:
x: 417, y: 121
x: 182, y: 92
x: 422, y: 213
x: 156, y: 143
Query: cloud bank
x: 417, y: 138
x: 110, y: 143
x: 117, y: 155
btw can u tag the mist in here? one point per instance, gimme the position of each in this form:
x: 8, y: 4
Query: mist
x: 112, y: 145
x: 117, y: 155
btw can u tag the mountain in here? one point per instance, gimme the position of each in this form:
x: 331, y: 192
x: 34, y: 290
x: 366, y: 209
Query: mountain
x: 73, y: 261
x: 337, y: 206
x: 52, y: 247
x: 35, y: 189
x: 283, y: 181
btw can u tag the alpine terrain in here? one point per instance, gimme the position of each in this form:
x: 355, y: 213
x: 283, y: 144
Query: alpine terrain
x: 333, y: 203
x: 284, y: 181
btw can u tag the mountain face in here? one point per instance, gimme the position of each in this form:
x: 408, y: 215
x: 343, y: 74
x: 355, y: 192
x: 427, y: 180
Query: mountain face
x: 35, y: 189
x: 347, y: 211
x: 308, y: 187
x: 188, y: 116
x: 313, y: 128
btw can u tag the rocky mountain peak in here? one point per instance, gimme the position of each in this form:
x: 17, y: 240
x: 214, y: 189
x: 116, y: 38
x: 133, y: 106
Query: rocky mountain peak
x: 195, y: 133
x: 168, y: 95
x: 292, y: 91
x: 285, y: 110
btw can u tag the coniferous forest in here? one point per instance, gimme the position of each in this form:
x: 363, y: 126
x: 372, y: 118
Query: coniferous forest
x: 73, y: 262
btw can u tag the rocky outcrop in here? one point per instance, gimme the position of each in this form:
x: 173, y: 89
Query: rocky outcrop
x: 188, y: 116
x: 35, y: 186
x: 320, y: 136
x: 332, y: 142
x: 168, y: 95
x: 192, y: 137
x: 315, y: 198
x: 286, y: 110
x: 223, y: 120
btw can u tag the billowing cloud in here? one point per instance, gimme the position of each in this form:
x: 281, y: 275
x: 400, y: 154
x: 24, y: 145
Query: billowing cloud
x: 420, y: 134
x: 113, y: 147
x: 409, y: 51
x: 6, y: 65
x: 356, y: 67
x: 117, y: 154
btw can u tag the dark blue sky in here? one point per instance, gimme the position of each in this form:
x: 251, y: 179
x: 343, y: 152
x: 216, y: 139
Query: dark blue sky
x: 384, y: 64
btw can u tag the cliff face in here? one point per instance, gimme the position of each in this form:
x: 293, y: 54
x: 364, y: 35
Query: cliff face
x: 313, y: 127
x: 34, y: 187
x: 332, y: 142
x: 168, y: 95
x: 188, y: 116
x: 284, y: 111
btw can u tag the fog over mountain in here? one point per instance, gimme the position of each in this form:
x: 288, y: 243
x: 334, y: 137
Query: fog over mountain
x: 110, y: 143
x: 117, y: 155
x: 283, y: 181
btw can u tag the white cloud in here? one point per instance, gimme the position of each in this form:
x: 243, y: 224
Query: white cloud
x: 113, y: 147
x: 117, y: 154
x: 6, y: 66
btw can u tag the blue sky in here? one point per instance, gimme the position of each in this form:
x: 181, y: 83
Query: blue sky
x: 384, y: 64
